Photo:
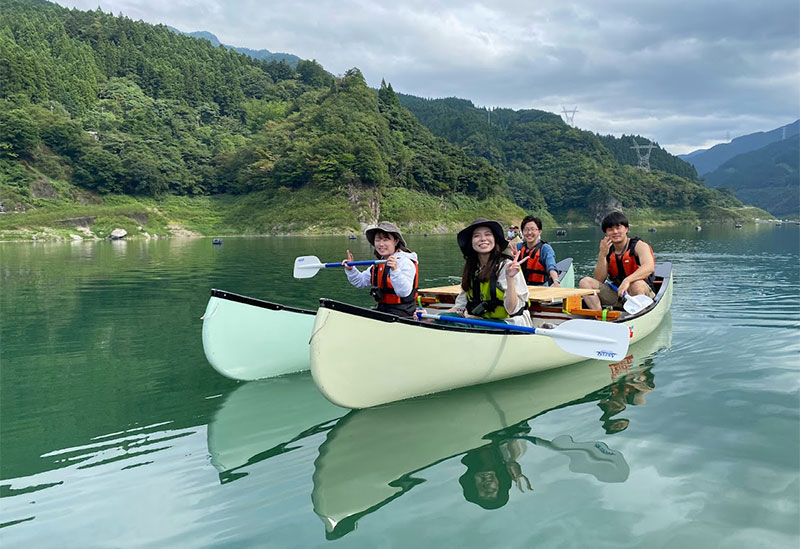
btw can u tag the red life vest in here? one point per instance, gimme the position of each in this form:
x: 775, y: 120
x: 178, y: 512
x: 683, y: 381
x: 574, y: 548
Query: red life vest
x: 532, y: 267
x: 625, y: 264
x: 385, y: 291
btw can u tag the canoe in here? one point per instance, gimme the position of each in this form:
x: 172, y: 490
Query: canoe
x: 373, y: 456
x: 245, y: 338
x: 263, y: 419
x: 362, y: 358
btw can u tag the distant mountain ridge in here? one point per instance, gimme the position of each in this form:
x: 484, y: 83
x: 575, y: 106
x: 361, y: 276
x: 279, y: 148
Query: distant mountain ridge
x: 708, y: 160
x: 264, y: 54
x: 768, y: 177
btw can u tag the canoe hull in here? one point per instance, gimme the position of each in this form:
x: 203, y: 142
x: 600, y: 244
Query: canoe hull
x: 247, y: 339
x: 352, y: 477
x: 399, y: 359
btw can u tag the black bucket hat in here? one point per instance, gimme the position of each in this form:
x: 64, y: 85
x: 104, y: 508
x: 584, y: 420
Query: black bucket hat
x: 388, y: 228
x: 465, y: 235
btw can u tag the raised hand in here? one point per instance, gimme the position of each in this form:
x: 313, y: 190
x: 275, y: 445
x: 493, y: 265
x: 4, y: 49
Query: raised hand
x: 513, y: 268
x: 349, y: 258
x: 605, y: 246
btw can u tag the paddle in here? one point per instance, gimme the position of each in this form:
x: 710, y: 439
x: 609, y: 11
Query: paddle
x: 588, y: 338
x: 633, y: 303
x: 309, y: 265
x: 595, y: 458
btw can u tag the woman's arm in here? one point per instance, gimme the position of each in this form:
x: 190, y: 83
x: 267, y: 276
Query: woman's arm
x: 358, y: 279
x: 403, y: 277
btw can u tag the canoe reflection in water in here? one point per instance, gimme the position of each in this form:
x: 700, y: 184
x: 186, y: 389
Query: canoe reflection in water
x: 372, y: 456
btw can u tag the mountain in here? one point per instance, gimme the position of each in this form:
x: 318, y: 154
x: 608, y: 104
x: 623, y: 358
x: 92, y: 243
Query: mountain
x: 266, y: 55
x: 551, y: 166
x: 660, y: 159
x: 768, y: 177
x: 97, y: 109
x: 708, y: 160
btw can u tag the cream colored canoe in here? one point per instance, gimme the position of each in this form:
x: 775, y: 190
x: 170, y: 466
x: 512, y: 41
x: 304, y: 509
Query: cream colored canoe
x: 362, y: 358
x: 371, y: 457
x: 246, y: 338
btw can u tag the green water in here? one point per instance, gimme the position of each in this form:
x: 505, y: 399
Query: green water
x: 115, y: 431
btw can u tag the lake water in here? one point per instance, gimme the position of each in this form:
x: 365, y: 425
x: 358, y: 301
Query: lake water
x: 116, y: 432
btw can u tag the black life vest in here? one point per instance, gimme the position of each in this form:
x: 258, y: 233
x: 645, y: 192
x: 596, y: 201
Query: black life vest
x: 626, y: 263
x: 532, y: 267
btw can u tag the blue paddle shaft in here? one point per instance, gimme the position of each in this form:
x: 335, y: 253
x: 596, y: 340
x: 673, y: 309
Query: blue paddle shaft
x: 351, y: 263
x: 482, y: 323
x: 615, y: 288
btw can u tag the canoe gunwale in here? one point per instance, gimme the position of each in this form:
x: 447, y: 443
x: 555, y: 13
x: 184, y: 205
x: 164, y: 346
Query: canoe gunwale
x: 663, y: 272
x: 325, y: 303
x: 238, y: 298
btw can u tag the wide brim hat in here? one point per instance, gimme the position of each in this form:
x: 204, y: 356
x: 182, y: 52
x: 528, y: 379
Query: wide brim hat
x: 465, y: 235
x: 388, y: 228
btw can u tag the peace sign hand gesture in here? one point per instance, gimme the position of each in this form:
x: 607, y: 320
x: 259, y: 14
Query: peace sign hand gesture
x: 514, y: 267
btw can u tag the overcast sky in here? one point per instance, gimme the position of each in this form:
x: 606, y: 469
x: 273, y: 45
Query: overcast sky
x: 685, y: 73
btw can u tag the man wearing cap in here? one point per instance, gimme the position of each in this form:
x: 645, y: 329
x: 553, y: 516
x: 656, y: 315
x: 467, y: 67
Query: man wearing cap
x: 393, y: 284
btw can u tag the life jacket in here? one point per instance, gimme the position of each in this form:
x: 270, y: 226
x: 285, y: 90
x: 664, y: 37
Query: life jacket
x: 384, y: 294
x: 626, y: 263
x: 486, y: 298
x: 532, y: 266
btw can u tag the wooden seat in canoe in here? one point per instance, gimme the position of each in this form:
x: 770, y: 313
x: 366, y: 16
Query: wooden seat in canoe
x: 570, y: 299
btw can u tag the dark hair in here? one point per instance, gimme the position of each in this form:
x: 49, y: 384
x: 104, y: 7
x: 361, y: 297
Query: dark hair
x: 528, y: 219
x: 496, y: 258
x: 614, y: 218
x: 398, y: 246
x: 485, y: 459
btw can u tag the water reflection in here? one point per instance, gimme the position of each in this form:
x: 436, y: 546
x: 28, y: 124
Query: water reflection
x: 370, y: 457
x: 262, y: 419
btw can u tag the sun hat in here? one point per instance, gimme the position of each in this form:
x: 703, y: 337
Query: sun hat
x: 388, y: 228
x: 465, y: 235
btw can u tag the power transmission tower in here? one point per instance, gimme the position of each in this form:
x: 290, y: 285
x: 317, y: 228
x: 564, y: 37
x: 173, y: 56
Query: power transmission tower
x: 569, y: 116
x: 644, y: 157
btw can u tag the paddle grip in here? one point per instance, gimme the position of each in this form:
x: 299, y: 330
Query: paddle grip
x: 615, y: 288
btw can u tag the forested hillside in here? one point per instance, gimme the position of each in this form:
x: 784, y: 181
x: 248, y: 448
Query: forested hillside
x: 262, y: 54
x: 623, y: 150
x: 768, y: 177
x: 553, y: 166
x: 96, y: 106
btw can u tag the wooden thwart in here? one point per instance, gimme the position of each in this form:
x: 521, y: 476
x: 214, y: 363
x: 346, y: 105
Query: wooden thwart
x: 537, y: 293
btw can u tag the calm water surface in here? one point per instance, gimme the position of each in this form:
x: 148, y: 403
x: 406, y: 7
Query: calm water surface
x: 116, y: 432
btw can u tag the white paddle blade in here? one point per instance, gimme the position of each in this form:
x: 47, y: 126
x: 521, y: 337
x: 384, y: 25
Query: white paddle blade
x: 306, y: 266
x: 635, y: 303
x: 591, y: 339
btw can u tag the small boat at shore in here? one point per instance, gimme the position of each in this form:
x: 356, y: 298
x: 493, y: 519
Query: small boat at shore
x: 245, y: 338
x: 432, y: 357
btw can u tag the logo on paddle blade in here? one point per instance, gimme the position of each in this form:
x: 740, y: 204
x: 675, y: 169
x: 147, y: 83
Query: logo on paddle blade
x: 606, y: 354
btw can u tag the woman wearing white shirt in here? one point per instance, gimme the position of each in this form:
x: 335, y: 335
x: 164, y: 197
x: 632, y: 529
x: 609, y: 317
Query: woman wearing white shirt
x: 492, y: 286
x: 393, y: 284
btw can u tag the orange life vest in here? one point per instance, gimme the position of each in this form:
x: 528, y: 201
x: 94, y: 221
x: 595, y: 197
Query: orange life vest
x: 383, y: 291
x: 626, y: 263
x: 532, y: 267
